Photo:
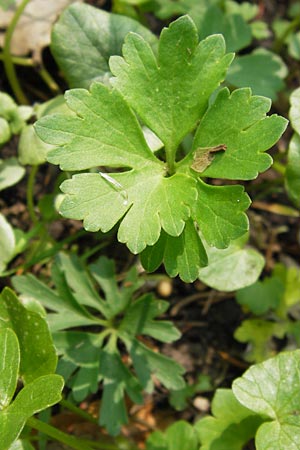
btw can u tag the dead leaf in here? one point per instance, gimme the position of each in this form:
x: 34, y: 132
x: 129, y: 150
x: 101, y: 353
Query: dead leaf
x: 33, y: 30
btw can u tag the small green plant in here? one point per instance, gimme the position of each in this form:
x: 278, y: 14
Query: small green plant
x: 88, y: 358
x: 156, y: 146
x: 274, y: 302
x: 160, y: 203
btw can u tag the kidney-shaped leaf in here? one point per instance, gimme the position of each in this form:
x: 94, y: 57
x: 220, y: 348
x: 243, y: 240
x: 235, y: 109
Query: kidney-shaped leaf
x: 271, y: 389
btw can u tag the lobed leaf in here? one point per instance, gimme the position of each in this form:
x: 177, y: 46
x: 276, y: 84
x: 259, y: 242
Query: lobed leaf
x: 117, y: 380
x: 258, y: 333
x: 239, y: 121
x: 182, y: 62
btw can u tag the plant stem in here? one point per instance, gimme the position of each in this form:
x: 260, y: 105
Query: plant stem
x: 170, y: 160
x: 7, y: 57
x: 19, y: 60
x: 58, y: 435
x: 279, y: 43
x: 78, y: 411
x: 29, y: 193
x: 279, y: 167
x: 47, y: 78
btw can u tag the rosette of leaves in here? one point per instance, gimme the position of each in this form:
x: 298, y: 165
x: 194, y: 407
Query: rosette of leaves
x: 116, y: 320
x: 161, y: 201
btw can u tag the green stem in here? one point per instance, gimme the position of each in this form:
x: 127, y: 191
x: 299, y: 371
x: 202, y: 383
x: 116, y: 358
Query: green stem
x: 19, y: 60
x: 51, y: 83
x: 58, y: 435
x: 7, y: 57
x: 279, y: 43
x: 29, y: 193
x: 78, y: 411
x: 279, y: 167
x: 170, y: 160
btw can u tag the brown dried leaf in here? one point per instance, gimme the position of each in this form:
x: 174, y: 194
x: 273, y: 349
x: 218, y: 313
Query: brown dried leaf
x: 33, y: 30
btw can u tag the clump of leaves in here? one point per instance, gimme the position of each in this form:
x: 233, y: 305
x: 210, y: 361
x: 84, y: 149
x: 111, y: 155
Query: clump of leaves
x: 263, y: 404
x: 160, y: 204
x: 27, y: 351
x: 121, y: 318
x: 274, y: 303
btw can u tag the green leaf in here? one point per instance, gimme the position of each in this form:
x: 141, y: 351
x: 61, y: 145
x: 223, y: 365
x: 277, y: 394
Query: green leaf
x: 239, y: 121
x: 21, y: 444
x: 33, y: 335
x: 85, y: 37
x: 290, y: 279
x: 7, y: 242
x: 159, y: 205
x: 117, y: 300
x: 246, y: 9
x: 89, y: 130
x: 294, y: 110
x: 156, y: 441
x: 232, y: 425
x: 9, y: 366
x: 220, y: 213
x: 86, y: 359
x: 261, y: 296
x: 262, y: 70
x: 82, y: 350
x: 10, y: 172
x: 232, y: 268
x: 260, y: 29
x: 181, y: 62
x: 117, y: 380
x: 151, y: 201
x: 179, y: 399
x: 67, y: 310
x: 182, y: 256
x: 139, y: 319
x: 234, y: 28
x: 147, y: 361
x: 258, y: 333
x: 15, y: 115
x: 292, y: 173
x: 31, y: 149
x: 181, y: 436
x: 270, y: 389
x: 41, y: 393
x: 5, y: 133
x: 294, y: 46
